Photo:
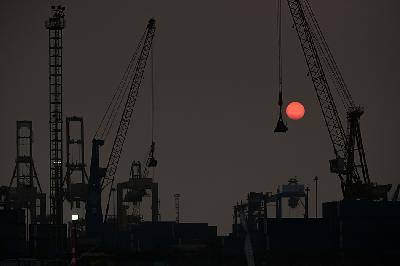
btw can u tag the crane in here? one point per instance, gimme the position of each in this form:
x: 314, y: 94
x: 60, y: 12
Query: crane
x: 100, y: 178
x: 350, y: 162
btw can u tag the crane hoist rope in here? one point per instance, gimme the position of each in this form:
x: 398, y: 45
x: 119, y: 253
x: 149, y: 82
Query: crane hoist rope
x: 152, y: 92
x: 128, y: 110
x: 281, y: 126
x: 151, y: 162
x: 279, y: 33
x: 328, y: 58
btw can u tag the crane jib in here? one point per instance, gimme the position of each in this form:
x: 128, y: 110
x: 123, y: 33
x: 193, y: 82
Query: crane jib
x: 128, y: 109
x: 346, y: 148
x: 100, y: 178
x: 325, y: 98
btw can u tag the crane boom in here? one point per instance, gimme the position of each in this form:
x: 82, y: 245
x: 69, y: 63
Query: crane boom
x: 129, y: 106
x: 345, y: 147
x: 101, y: 178
x: 123, y: 127
x: 325, y: 98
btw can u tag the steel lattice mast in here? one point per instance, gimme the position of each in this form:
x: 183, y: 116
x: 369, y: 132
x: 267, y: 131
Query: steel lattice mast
x: 55, y: 25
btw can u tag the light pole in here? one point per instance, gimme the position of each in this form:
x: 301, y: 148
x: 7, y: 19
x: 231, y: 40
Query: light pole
x: 114, y: 209
x: 306, y: 207
x: 74, y: 219
x: 316, y: 196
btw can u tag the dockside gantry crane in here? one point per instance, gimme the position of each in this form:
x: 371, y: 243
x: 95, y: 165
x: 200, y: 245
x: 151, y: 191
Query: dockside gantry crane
x: 101, y: 178
x: 350, y: 163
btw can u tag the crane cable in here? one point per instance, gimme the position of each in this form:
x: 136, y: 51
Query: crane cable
x: 152, y: 91
x: 327, y: 58
x: 152, y: 99
x: 329, y: 63
x: 127, y: 81
x: 333, y: 70
x: 279, y: 32
x: 146, y: 170
x: 149, y: 155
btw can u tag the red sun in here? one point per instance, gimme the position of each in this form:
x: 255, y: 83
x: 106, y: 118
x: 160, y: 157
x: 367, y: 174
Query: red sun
x: 295, y: 110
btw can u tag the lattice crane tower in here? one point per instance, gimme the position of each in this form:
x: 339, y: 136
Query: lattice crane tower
x: 55, y: 25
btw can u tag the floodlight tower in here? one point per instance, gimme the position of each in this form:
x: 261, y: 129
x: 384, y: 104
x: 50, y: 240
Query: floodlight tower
x: 55, y: 25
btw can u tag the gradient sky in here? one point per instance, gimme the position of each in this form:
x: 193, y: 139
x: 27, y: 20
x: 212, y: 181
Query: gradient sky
x: 216, y: 92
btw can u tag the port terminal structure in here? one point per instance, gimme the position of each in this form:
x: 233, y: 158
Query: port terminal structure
x: 364, y: 224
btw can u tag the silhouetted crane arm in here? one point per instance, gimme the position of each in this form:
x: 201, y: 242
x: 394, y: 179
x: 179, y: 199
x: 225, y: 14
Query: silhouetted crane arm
x: 318, y: 56
x: 120, y: 137
x: 128, y: 89
x: 315, y: 69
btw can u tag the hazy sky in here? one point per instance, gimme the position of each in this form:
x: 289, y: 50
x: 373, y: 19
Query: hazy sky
x: 216, y: 92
